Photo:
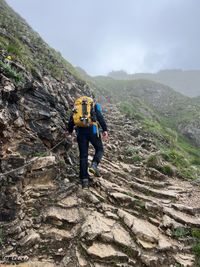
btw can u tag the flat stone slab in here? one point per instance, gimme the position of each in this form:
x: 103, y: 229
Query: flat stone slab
x: 70, y: 201
x: 146, y: 232
x: 182, y: 217
x: 30, y: 239
x: 57, y: 234
x: 186, y: 209
x: 106, y: 252
x: 122, y: 197
x: 61, y: 214
x: 96, y: 225
x: 155, y: 192
x: 42, y: 162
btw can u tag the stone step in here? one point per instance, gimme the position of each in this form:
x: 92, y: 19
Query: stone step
x: 182, y: 217
x: 152, y: 184
x: 154, y: 192
x: 147, y: 234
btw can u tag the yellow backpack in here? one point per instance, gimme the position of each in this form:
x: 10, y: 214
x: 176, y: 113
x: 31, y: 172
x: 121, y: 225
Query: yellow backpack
x: 83, y: 112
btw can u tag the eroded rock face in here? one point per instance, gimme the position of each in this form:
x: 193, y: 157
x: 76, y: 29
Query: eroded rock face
x: 192, y: 131
x: 32, y: 121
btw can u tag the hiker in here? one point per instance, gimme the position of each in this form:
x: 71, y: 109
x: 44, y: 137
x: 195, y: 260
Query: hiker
x: 86, y: 119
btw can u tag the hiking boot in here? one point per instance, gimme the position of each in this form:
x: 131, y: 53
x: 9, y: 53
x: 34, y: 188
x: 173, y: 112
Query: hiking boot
x: 94, y: 169
x: 85, y: 184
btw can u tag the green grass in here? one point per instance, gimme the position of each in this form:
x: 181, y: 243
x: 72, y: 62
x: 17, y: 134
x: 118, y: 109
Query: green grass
x: 14, y: 50
x: 179, y: 265
x: 35, y: 213
x: 173, y: 149
x: 167, y: 170
x: 133, y: 154
x: 137, y: 158
x: 39, y: 154
x: 175, y: 157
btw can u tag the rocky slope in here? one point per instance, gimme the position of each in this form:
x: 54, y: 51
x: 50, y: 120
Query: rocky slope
x: 132, y: 215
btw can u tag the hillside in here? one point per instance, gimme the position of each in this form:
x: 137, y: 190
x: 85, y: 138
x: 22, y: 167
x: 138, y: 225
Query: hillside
x: 161, y: 111
x: 141, y: 212
x: 186, y: 82
x: 176, y: 110
x: 27, y: 47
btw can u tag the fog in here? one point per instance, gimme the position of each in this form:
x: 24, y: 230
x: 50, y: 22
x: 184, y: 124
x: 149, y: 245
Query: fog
x: 106, y: 35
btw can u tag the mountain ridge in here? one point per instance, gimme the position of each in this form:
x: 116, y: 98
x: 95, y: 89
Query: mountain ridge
x: 184, y: 81
x: 176, y: 108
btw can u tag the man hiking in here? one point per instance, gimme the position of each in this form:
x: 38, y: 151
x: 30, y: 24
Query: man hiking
x: 86, y: 119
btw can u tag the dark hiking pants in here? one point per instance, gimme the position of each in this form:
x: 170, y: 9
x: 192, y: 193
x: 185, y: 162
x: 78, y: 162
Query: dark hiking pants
x: 84, y: 137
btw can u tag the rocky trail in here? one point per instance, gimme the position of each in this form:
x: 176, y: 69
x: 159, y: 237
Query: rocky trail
x: 128, y: 217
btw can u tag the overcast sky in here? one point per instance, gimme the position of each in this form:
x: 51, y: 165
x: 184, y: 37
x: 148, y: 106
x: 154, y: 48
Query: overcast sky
x: 105, y: 35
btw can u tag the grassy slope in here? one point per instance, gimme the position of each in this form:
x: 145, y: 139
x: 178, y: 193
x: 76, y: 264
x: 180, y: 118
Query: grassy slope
x: 136, y: 99
x: 185, y: 82
x: 27, y: 47
x: 171, y: 105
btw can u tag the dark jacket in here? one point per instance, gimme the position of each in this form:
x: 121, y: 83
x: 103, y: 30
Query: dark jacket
x: 99, y: 116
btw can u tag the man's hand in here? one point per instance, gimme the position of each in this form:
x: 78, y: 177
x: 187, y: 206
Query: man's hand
x: 105, y: 136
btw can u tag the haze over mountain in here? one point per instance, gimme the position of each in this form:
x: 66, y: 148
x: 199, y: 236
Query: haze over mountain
x: 186, y: 82
x: 134, y: 35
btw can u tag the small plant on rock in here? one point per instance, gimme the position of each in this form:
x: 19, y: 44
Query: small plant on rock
x: 196, y: 250
x: 180, y: 232
x: 11, y: 72
x: 1, y: 237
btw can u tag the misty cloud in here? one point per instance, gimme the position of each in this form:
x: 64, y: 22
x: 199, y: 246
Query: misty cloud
x: 134, y: 35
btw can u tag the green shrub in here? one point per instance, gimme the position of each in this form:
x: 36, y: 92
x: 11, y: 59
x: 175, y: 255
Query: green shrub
x: 130, y: 151
x: 180, y: 232
x: 196, y: 233
x: 167, y: 169
x: 137, y: 158
x: 196, y: 249
x: 11, y: 72
x: 153, y: 161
